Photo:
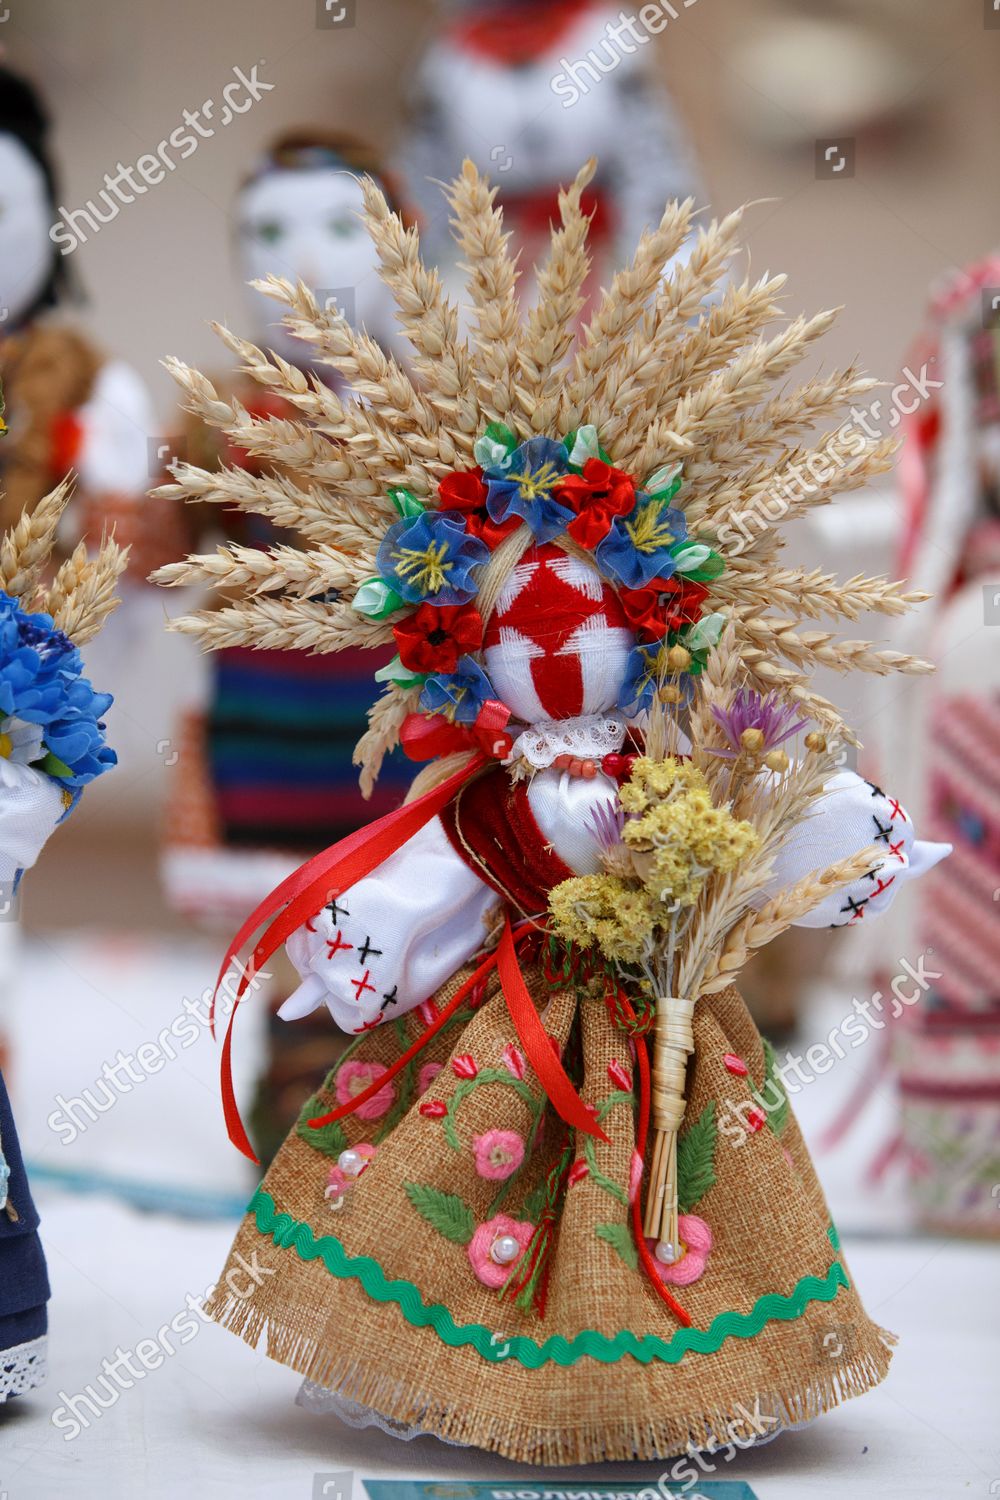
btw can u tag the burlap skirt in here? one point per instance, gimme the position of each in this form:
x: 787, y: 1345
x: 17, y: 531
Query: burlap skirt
x: 386, y: 1287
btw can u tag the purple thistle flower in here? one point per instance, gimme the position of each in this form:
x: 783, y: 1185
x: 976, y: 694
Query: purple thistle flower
x: 749, y: 710
x: 606, y: 822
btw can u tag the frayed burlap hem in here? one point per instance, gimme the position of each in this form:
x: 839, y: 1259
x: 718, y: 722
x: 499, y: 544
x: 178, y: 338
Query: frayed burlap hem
x: 524, y: 1440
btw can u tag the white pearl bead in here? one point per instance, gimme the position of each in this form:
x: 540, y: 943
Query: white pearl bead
x: 351, y: 1163
x: 504, y: 1249
x: 665, y: 1253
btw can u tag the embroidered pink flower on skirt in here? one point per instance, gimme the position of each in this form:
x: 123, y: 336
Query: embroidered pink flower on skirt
x: 491, y: 1272
x: 498, y: 1154
x: 695, y: 1244
x: 353, y: 1077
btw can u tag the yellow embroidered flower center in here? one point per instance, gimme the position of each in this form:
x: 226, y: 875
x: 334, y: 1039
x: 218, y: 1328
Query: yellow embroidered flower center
x: 6, y: 746
x: 539, y: 484
x: 426, y: 570
x: 650, y: 530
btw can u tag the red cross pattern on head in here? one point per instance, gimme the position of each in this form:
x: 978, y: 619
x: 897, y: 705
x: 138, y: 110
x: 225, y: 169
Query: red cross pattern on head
x: 557, y: 643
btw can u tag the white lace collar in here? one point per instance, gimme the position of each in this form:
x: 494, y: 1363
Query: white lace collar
x: 590, y: 737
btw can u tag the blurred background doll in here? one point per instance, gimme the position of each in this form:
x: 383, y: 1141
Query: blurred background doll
x: 265, y: 773
x: 68, y: 405
x: 949, y: 1053
x: 51, y: 746
x: 528, y: 89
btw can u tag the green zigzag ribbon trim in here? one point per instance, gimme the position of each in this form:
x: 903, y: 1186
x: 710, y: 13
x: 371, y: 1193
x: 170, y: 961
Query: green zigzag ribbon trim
x: 288, y: 1233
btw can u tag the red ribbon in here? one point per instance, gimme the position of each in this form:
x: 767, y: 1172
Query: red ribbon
x: 531, y: 1033
x: 535, y: 1040
x: 306, y: 891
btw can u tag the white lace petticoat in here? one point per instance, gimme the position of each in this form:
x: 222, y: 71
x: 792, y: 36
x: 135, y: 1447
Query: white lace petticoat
x: 23, y: 1367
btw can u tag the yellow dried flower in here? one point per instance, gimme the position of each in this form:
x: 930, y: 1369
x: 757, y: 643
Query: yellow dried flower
x: 677, y: 833
x: 619, y: 918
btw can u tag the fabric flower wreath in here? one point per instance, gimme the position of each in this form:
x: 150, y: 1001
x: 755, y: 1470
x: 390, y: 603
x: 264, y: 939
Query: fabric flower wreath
x: 428, y: 560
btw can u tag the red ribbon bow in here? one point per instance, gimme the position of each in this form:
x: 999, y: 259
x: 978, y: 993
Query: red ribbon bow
x: 426, y: 736
x: 333, y: 872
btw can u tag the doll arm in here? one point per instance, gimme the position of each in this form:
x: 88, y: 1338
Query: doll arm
x: 390, y: 941
x: 850, y: 815
x: 31, y: 805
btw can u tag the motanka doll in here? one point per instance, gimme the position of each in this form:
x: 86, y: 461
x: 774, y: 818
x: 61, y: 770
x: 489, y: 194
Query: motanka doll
x: 553, y: 1201
x: 948, y: 1055
x: 513, y: 84
x: 68, y: 405
x: 265, y: 774
x: 51, y: 746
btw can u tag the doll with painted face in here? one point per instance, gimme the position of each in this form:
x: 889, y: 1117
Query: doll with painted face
x: 528, y: 90
x: 251, y: 799
x: 68, y: 404
x: 553, y: 1201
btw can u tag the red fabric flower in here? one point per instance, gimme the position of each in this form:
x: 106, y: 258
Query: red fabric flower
x: 464, y: 491
x: 598, y: 495
x: 434, y: 637
x: 664, y: 604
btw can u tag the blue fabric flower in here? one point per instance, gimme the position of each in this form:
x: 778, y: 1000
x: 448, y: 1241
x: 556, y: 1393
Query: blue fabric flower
x: 637, y: 548
x: 523, y: 487
x: 42, y: 682
x: 459, y: 695
x: 431, y: 557
x: 641, y: 679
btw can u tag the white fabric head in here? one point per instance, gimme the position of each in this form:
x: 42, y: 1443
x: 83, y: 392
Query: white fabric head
x: 850, y: 815
x: 304, y: 224
x: 557, y: 644
x: 26, y: 252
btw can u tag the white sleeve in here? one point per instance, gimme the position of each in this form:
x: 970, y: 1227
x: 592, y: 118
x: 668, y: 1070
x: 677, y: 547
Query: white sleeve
x: 390, y: 941
x: 31, y: 805
x: 850, y: 815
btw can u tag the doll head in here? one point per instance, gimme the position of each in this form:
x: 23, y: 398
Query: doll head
x: 557, y: 642
x: 299, y: 217
x: 495, y: 62
x: 31, y: 267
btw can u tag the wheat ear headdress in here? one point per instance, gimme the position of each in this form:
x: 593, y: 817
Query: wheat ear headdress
x: 666, y: 375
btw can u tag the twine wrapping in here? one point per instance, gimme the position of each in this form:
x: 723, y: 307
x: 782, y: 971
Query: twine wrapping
x: 673, y: 1046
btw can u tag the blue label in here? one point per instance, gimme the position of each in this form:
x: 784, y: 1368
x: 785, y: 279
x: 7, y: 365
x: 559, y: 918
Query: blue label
x: 653, y: 1489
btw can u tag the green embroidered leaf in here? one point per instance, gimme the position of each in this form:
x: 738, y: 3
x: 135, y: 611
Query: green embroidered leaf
x: 446, y: 1212
x: 696, y: 1159
x: 620, y: 1237
x: 773, y: 1097
x: 330, y: 1139
x: 533, y: 1204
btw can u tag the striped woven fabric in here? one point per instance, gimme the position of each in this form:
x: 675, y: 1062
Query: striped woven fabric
x: 281, y: 733
x: 960, y: 914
